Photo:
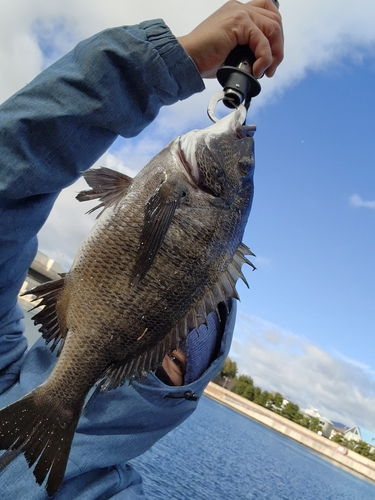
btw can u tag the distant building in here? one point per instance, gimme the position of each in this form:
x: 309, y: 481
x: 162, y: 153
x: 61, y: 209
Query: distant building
x: 361, y: 434
x: 42, y: 269
x: 325, y: 423
x: 338, y: 430
x: 311, y: 412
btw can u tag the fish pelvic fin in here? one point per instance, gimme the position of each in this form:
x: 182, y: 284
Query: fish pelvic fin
x: 48, y: 294
x: 107, y: 185
x: 42, y: 432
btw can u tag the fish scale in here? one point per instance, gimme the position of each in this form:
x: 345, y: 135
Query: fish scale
x: 165, y: 251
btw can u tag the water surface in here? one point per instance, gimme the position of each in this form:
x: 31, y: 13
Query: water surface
x: 220, y: 454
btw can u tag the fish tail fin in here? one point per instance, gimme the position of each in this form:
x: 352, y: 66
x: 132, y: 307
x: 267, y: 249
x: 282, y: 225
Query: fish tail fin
x: 42, y: 432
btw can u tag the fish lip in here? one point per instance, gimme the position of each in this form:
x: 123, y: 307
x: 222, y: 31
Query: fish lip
x: 244, y: 131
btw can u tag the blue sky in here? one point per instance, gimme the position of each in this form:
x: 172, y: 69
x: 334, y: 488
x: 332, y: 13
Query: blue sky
x: 314, y: 151
x: 306, y: 326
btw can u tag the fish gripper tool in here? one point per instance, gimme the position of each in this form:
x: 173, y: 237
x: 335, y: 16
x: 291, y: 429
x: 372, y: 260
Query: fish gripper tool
x: 237, y: 79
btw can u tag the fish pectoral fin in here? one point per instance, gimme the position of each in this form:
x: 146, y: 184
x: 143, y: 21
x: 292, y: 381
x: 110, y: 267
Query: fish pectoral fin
x: 159, y: 212
x: 48, y: 294
x: 109, y: 186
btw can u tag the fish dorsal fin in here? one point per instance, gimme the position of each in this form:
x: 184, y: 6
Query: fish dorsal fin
x: 48, y: 294
x: 159, y: 212
x: 109, y: 186
x: 117, y: 373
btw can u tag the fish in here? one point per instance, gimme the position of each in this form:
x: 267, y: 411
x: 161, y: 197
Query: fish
x: 165, y: 251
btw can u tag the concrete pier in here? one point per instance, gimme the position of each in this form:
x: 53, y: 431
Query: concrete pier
x: 334, y: 452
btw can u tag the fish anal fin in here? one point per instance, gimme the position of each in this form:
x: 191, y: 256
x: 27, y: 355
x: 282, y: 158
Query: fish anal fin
x: 139, y: 367
x: 107, y: 185
x: 47, y: 294
x: 159, y: 212
x: 117, y: 373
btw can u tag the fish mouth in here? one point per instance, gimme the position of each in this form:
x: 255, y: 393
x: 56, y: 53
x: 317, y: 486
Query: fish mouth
x: 187, y: 144
x: 245, y: 131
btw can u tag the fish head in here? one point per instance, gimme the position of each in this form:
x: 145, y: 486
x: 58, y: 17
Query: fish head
x: 220, y: 160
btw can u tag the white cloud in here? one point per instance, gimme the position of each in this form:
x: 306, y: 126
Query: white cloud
x: 318, y: 34
x: 278, y: 360
x: 356, y: 201
x: 67, y: 226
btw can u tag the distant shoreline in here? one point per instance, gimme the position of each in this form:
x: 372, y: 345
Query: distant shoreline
x: 337, y: 454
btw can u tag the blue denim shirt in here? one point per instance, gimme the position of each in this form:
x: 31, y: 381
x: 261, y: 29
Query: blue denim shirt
x: 58, y: 125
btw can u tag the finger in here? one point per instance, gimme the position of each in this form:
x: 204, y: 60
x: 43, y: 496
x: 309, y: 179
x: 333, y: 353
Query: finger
x: 266, y: 40
x: 263, y: 55
x: 264, y: 4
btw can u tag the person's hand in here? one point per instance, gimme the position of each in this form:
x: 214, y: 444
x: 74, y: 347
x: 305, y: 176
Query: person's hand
x: 257, y: 24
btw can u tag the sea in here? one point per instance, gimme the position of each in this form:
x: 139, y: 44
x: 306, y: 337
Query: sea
x: 219, y: 454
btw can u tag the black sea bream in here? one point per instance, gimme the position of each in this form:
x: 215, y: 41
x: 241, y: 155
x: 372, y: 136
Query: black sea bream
x: 165, y: 251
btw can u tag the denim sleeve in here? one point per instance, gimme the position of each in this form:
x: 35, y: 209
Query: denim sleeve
x: 58, y: 125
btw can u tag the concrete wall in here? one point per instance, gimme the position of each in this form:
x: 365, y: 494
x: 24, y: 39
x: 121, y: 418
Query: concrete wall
x: 42, y: 269
x: 339, y: 454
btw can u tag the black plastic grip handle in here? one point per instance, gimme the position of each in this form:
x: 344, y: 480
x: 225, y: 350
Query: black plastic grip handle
x: 236, y: 76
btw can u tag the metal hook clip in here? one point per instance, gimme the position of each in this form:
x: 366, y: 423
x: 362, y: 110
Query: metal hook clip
x: 220, y: 96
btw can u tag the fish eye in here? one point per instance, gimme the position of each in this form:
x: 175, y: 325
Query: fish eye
x: 244, y: 164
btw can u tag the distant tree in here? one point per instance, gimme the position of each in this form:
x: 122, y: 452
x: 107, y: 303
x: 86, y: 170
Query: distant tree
x: 359, y: 447
x: 314, y: 425
x: 351, y: 444
x: 362, y: 448
x: 339, y: 439
x: 290, y: 411
x: 301, y: 420
x: 257, y: 395
x: 265, y: 398
x: 245, y: 387
x: 278, y: 400
x: 275, y: 401
x: 261, y: 397
x: 229, y: 368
